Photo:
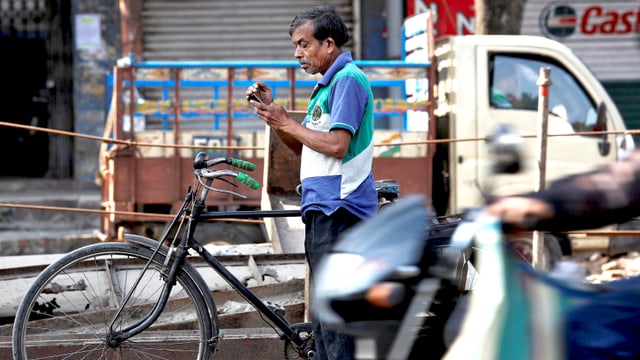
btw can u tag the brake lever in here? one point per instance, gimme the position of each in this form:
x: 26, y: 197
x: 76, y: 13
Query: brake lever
x: 227, y: 181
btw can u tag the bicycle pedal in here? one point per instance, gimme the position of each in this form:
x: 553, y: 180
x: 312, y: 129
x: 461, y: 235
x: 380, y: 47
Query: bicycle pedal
x: 276, y: 308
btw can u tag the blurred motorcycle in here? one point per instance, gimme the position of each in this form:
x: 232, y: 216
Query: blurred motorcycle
x: 387, y: 284
x: 394, y: 280
x: 404, y: 284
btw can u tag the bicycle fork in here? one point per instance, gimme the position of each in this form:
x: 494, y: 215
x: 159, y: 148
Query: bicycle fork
x: 115, y: 338
x: 168, y: 271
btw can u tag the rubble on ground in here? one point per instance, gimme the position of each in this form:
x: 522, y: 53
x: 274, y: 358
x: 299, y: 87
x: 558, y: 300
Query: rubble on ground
x: 601, y: 268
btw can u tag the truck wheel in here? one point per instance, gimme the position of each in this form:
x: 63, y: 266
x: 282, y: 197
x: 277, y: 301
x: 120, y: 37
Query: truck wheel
x: 523, y: 246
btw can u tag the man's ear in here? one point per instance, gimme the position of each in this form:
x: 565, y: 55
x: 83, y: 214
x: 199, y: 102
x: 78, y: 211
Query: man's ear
x: 331, y: 44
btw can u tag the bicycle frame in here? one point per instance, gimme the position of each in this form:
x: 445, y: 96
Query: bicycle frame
x: 192, y: 212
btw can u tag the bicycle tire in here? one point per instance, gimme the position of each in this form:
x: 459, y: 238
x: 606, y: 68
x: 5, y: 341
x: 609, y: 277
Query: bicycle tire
x: 76, y: 297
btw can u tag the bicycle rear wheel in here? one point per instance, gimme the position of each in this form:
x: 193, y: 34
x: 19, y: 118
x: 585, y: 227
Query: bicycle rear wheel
x: 67, y: 311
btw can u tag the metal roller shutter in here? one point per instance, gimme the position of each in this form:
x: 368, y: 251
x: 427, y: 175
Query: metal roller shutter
x: 225, y: 29
x: 626, y: 95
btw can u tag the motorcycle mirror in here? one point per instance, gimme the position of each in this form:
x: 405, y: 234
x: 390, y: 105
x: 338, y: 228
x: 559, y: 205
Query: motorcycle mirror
x: 505, y: 145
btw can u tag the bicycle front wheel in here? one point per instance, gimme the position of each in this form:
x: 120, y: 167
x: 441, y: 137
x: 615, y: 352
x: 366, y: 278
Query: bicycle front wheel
x: 77, y: 303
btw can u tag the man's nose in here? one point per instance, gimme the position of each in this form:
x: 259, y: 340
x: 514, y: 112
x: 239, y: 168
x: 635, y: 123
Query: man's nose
x: 297, y: 53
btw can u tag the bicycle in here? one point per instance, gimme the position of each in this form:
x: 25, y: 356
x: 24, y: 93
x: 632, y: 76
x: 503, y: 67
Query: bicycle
x: 68, y: 306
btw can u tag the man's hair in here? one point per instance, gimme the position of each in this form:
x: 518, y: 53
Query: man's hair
x: 326, y: 23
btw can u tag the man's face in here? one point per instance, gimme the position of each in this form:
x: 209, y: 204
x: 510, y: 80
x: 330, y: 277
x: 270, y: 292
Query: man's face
x: 313, y: 55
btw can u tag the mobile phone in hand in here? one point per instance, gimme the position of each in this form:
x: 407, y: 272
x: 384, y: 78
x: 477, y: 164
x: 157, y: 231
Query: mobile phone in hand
x: 255, y: 97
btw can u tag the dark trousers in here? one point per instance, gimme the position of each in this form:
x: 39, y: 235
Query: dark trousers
x: 321, y: 233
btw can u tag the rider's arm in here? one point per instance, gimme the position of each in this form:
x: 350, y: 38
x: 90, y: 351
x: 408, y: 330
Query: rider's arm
x: 584, y: 201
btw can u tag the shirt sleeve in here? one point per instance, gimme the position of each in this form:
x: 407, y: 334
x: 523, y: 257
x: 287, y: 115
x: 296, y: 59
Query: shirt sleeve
x: 347, y: 102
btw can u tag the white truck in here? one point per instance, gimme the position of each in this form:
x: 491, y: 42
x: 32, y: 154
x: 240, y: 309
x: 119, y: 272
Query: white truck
x: 482, y: 81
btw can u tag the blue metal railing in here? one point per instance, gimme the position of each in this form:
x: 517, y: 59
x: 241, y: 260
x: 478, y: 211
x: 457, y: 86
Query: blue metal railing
x: 216, y: 107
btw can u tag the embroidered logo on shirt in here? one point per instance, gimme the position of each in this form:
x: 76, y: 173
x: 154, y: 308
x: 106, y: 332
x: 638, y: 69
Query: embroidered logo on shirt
x: 316, y: 115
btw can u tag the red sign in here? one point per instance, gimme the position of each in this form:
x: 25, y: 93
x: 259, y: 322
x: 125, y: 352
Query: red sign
x: 450, y: 17
x: 562, y: 21
x: 596, y: 19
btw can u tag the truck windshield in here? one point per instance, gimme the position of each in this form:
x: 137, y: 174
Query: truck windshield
x: 513, y: 86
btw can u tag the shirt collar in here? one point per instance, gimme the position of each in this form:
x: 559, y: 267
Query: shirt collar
x: 342, y: 60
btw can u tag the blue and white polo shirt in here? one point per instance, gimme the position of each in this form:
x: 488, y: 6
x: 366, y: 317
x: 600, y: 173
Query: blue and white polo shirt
x: 342, y: 99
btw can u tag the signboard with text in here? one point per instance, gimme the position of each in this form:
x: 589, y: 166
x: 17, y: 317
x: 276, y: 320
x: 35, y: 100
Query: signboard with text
x: 604, y: 34
x: 450, y: 17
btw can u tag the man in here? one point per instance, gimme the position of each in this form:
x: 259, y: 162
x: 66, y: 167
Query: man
x: 504, y: 92
x: 335, y: 141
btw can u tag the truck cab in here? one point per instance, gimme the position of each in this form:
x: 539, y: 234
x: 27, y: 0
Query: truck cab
x: 486, y: 80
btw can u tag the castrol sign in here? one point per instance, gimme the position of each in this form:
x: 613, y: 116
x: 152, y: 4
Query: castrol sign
x: 605, y: 34
x: 609, y: 19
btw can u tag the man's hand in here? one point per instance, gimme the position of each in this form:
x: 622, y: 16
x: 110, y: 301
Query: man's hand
x: 275, y: 116
x: 262, y: 91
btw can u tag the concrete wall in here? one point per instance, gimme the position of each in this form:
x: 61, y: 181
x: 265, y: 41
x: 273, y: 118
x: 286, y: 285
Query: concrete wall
x: 92, y: 60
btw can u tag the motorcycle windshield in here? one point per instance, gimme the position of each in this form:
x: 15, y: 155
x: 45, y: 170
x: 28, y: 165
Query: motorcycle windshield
x: 372, y: 251
x: 396, y: 235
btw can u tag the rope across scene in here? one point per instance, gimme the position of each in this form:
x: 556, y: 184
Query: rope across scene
x: 168, y: 216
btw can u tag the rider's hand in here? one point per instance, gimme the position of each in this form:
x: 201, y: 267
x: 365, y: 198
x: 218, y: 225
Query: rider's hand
x: 517, y: 211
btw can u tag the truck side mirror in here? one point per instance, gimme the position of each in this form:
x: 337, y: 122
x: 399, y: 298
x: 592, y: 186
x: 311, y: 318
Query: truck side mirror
x: 604, y: 146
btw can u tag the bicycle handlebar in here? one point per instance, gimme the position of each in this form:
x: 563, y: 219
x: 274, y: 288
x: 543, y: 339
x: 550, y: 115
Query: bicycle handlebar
x: 239, y: 176
x: 248, y: 180
x: 201, y: 162
x: 202, y: 165
x: 241, y: 164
